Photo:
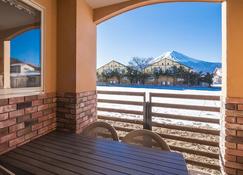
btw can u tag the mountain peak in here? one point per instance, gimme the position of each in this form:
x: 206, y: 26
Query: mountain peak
x: 196, y: 64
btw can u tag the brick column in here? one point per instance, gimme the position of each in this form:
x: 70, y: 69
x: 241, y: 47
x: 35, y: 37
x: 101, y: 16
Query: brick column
x: 75, y: 110
x: 232, y: 136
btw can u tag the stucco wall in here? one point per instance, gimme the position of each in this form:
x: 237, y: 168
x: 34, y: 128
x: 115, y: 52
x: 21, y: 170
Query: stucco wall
x: 50, y: 57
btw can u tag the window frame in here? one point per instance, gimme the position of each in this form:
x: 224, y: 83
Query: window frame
x: 35, y: 90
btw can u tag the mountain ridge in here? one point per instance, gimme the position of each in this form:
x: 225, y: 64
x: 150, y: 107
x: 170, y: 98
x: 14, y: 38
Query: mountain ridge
x: 196, y: 65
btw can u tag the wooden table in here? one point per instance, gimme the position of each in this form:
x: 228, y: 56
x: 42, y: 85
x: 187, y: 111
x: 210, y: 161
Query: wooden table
x: 69, y: 154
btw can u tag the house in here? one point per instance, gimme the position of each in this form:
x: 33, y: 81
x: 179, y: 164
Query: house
x: 112, y: 65
x: 165, y: 62
x: 217, y: 76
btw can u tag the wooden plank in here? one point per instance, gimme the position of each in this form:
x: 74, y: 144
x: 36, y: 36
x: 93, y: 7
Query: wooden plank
x: 124, y: 149
x: 174, y: 137
x: 136, y: 103
x: 142, y: 94
x: 124, y: 120
x: 21, y: 164
x: 69, y: 158
x: 37, y: 163
x: 186, y: 107
x: 186, y: 128
x: 195, y: 152
x: 137, y: 162
x: 201, y: 164
x: 186, y: 96
x: 183, y: 117
x: 120, y: 111
x: 107, y: 163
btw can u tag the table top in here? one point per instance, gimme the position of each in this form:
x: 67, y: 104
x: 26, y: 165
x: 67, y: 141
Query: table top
x: 69, y: 154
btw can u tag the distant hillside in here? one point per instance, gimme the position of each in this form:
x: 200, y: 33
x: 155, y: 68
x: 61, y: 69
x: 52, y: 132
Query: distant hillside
x: 196, y: 64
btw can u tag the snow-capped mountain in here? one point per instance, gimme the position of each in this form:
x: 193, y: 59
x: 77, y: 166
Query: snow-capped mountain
x: 196, y: 64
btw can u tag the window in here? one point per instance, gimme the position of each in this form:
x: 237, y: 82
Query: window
x: 20, y: 45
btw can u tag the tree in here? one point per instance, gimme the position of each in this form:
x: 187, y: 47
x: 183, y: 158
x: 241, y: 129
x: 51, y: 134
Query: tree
x: 132, y: 75
x: 106, y: 74
x: 208, y: 78
x: 157, y: 72
x: 119, y: 74
x: 139, y: 64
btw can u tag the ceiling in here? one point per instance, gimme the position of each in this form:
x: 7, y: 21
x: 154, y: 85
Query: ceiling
x: 101, y: 3
x: 16, y: 15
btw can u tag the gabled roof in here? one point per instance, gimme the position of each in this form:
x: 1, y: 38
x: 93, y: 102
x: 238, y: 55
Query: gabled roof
x: 110, y: 63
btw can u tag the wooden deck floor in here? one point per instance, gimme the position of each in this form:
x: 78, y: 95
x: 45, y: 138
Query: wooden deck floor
x: 69, y: 154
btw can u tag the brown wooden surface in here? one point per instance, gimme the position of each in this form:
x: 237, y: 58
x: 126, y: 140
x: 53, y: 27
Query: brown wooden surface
x: 67, y: 154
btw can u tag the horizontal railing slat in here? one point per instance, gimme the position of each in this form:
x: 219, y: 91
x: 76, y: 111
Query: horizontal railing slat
x: 186, y: 96
x: 120, y: 111
x: 187, y: 107
x: 121, y: 102
x: 201, y: 164
x: 174, y: 137
x: 133, y: 121
x: 142, y: 94
x: 183, y: 117
x: 186, y: 128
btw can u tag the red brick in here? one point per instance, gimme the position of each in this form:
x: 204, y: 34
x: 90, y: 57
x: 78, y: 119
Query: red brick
x: 37, y: 126
x: 239, y: 133
x: 230, y: 158
x: 31, y: 98
x: 6, y: 123
x: 16, y: 113
x: 30, y: 135
x: 43, y: 118
x: 234, y: 152
x: 31, y: 110
x: 3, y: 102
x: 230, y: 132
x: 43, y: 107
x: 24, y: 131
x: 234, y: 100
x: 16, y: 127
x: 3, y: 132
x: 47, y: 100
x: 7, y: 137
x: 239, y: 120
x: 43, y: 130
x: 3, y: 116
x: 240, y: 107
x: 234, y: 126
x: 235, y: 165
x: 37, y: 102
x: 230, y: 145
x: 16, y: 100
x: 230, y: 171
x: 16, y: 141
x: 8, y: 108
x: 37, y: 114
x: 240, y: 146
x: 230, y: 119
x: 23, y: 118
x: 42, y: 96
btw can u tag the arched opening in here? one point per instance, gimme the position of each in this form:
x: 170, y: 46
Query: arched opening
x: 176, y: 102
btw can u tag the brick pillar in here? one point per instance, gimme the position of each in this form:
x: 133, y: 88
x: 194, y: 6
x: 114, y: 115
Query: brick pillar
x: 75, y: 110
x: 232, y: 136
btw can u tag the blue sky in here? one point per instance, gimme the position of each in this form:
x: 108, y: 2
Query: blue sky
x: 26, y: 47
x: 193, y: 29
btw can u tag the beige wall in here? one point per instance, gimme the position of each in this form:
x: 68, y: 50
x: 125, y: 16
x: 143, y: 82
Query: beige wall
x: 86, y: 48
x: 76, y: 70
x: 232, y: 49
x: 50, y: 57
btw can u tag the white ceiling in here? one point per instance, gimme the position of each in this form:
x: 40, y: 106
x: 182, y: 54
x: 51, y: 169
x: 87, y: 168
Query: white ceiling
x: 101, y: 3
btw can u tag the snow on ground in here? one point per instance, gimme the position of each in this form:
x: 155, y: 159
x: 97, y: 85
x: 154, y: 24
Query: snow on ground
x: 173, y: 90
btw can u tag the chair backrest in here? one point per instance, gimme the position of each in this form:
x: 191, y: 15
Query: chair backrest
x: 100, y: 129
x: 146, y: 138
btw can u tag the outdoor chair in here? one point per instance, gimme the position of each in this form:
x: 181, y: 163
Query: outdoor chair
x: 101, y: 130
x: 146, y: 138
